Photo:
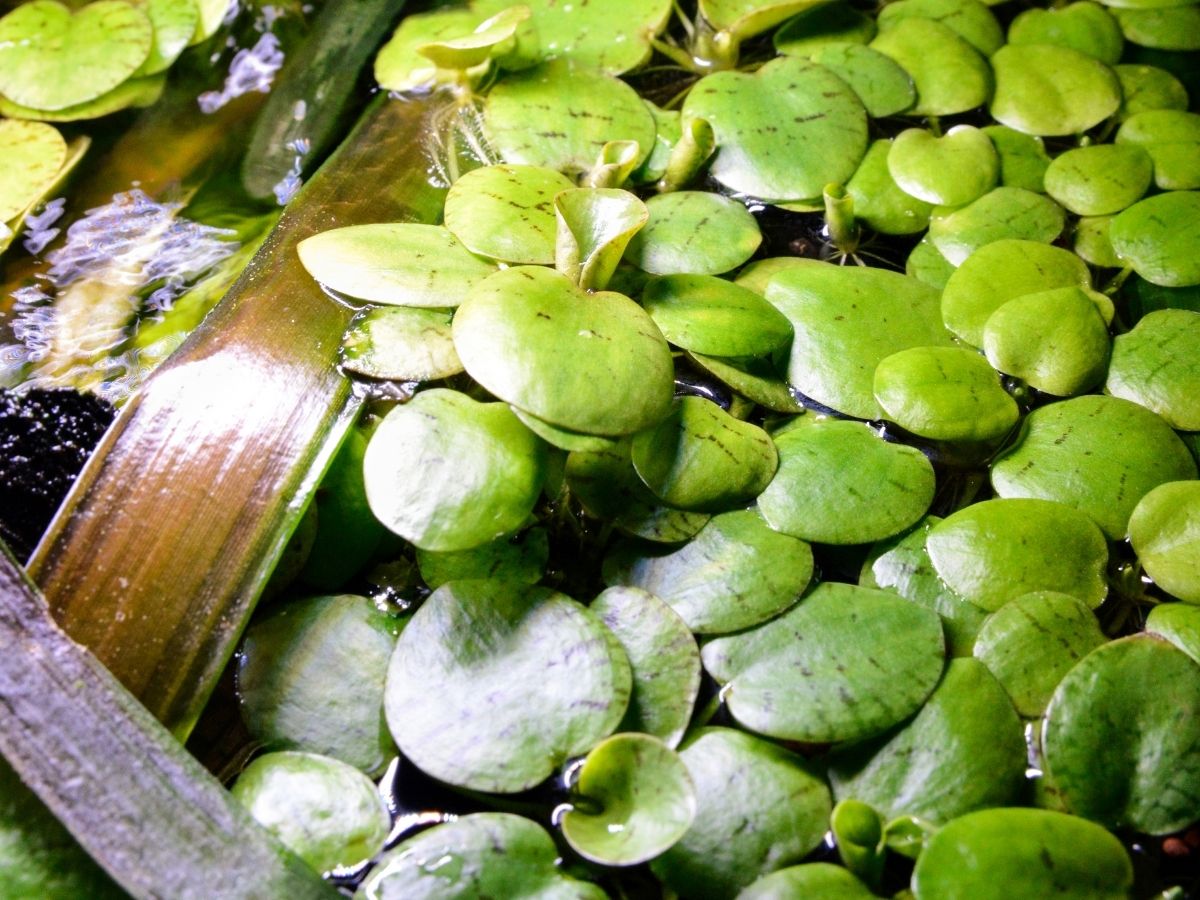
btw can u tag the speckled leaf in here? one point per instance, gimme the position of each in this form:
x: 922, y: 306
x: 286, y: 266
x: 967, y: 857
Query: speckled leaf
x: 590, y: 363
x: 33, y: 154
x: 1084, y: 26
x: 999, y: 272
x: 1052, y: 91
x: 944, y: 393
x: 902, y: 565
x: 951, y: 170
x: 560, y: 116
x: 399, y: 264
x: 310, y: 677
x: 1101, y: 179
x: 1000, y: 853
x: 760, y: 808
x: 664, y: 658
x: 709, y: 315
x: 1146, y: 87
x: 784, y: 132
x: 825, y: 23
x: 1178, y: 623
x: 52, y: 58
x: 1098, y: 454
x: 1091, y: 243
x: 526, y: 678
x: 844, y: 664
x: 847, y: 319
x: 1119, y: 736
x: 1165, y: 532
x: 840, y: 483
x: 950, y: 75
x: 506, y: 212
x: 884, y: 88
x: 605, y: 482
x: 1055, y: 341
x: 824, y: 880
x: 964, y: 750
x: 401, y: 343
x: 326, y: 812
x: 1023, y: 157
x: 1031, y: 642
x: 994, y: 551
x: 735, y: 573
x: 1157, y: 365
x: 399, y: 67
x: 701, y: 458
x: 636, y: 799
x: 478, y: 855
x: 694, y: 232
x: 755, y: 379
x: 1160, y: 238
x: 448, y: 473
x: 595, y: 226
x: 969, y: 19
x: 1165, y: 28
x: 520, y: 559
x: 1172, y: 138
x: 1001, y: 214
x: 879, y: 202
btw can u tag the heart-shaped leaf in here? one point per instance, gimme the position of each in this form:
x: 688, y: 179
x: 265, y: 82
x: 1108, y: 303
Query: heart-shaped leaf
x: 589, y: 363
x: 526, y: 678
x: 52, y: 58
x: 1155, y: 365
x: 401, y: 343
x: 694, y: 232
x: 1172, y: 138
x: 1159, y: 237
x: 506, y: 212
x: 448, y: 473
x: 735, y: 573
x: 1046, y: 90
x: 993, y: 551
x: 1163, y: 28
x: 1165, y: 532
x: 1023, y: 157
x: 595, y: 226
x: 1083, y: 26
x: 1003, y: 213
x: 713, y: 316
x: 884, y: 88
x: 969, y: 19
x: 1101, y: 179
x: 879, y: 201
x: 521, y: 559
x: 33, y: 155
x: 950, y: 75
x: 1146, y: 87
x: 636, y: 800
x: 1098, y: 454
x: 950, y: 170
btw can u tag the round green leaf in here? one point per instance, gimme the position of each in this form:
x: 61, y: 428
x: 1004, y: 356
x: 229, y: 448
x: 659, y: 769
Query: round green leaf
x: 1120, y: 734
x: 758, y: 274
x: 1165, y: 532
x: 884, y: 88
x: 399, y: 67
x: 1160, y: 238
x: 709, y: 315
x: 993, y: 551
x: 964, y: 750
x: 1023, y: 157
x: 310, y: 677
x: 521, y: 559
x: 694, y: 232
x: 926, y: 264
x: 759, y: 808
x: 1172, y: 138
x: 1164, y: 28
x: 52, y: 58
x: 879, y: 202
x: 735, y: 573
x: 782, y: 133
x: 1101, y: 179
x: 1178, y: 623
x: 174, y: 23
x: 1092, y: 244
x: 1148, y: 87
x: 944, y: 393
x: 995, y: 854
x: 479, y: 855
x: 1084, y: 26
x: 1156, y: 365
x: 1100, y: 455
x: 701, y: 458
x: 593, y: 363
x: 952, y: 170
x: 1054, y: 340
x: 970, y: 20
x: 1031, y: 642
x: 846, y: 320
x: 1051, y: 91
x: 33, y: 154
x: 1004, y: 213
x: 448, y: 473
x: 949, y: 74
x: 401, y: 264
x: 839, y: 483
x: 135, y: 92
x: 526, y: 679
x: 664, y: 658
x: 824, y: 880
x: 506, y: 212
x: 1002, y: 271
x: 636, y: 800
x: 401, y: 343
x: 560, y: 116
x: 326, y: 812
x: 822, y: 24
